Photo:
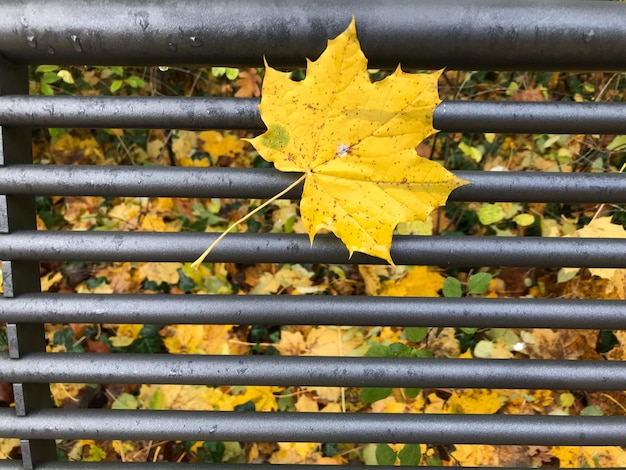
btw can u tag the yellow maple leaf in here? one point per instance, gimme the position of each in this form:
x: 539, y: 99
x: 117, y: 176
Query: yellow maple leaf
x: 355, y: 142
x: 160, y: 272
x: 196, y: 339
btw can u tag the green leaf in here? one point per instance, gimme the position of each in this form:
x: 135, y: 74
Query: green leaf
x: 135, y: 82
x: 490, y: 214
x: 421, y: 353
x: 371, y: 394
x: 452, y: 288
x: 483, y: 348
x: 566, y: 400
x: 469, y: 331
x: 385, y: 455
x: 117, y: 70
x: 479, y: 283
x: 433, y: 462
x: 472, y: 152
x: 218, y: 71
x: 116, y: 85
x: 49, y: 77
x: 411, y: 454
x: 125, y: 401
x: 46, y: 89
x: 416, y: 333
x: 231, y: 73
x: 368, y: 454
x: 618, y: 142
x: 56, y: 132
x: 157, y: 400
x: 524, y: 220
x: 591, y: 411
x: 378, y: 350
x: 400, y: 350
x: 96, y: 454
x: 47, y: 68
x: 412, y: 392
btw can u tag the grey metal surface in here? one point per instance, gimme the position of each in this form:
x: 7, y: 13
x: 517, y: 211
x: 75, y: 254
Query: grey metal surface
x: 17, y: 212
x: 458, y: 34
x: 318, y: 310
x: 218, y: 370
x: 253, y: 248
x: 237, y: 113
x: 82, y: 465
x: 315, y: 427
x: 16, y: 465
x: 156, y: 181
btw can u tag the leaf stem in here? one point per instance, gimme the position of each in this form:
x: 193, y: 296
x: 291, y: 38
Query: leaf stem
x: 196, y: 264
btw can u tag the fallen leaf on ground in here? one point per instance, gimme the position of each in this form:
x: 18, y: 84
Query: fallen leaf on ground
x: 248, y: 83
x: 421, y: 282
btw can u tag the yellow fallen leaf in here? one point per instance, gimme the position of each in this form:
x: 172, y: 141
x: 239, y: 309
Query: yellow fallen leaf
x: 296, y: 453
x: 262, y: 396
x: 183, y: 397
x: 602, y: 227
x: 197, y: 339
x: 475, y: 455
x: 421, y: 282
x: 125, y: 335
x: 217, y: 144
x: 306, y: 404
x: 160, y: 272
x: 329, y: 341
x: 355, y: 142
x: 49, y: 280
x: 184, y: 144
x: 6, y: 446
x: 474, y: 401
x: 291, y: 343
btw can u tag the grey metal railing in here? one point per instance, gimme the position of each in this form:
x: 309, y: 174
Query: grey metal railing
x: 471, y: 34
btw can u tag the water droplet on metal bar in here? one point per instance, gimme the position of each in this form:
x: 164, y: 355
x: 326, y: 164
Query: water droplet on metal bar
x: 195, y: 41
x: 31, y: 41
x: 76, y: 43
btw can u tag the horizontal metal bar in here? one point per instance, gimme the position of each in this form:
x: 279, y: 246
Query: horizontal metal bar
x: 253, y: 248
x: 530, y: 117
x: 314, y: 427
x: 235, y: 113
x: 313, y: 371
x: 156, y: 112
x: 318, y: 310
x: 73, y: 465
x: 459, y: 34
x: 264, y: 183
x: 82, y: 465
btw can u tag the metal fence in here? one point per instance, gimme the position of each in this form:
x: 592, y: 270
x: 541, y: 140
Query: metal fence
x: 467, y: 34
